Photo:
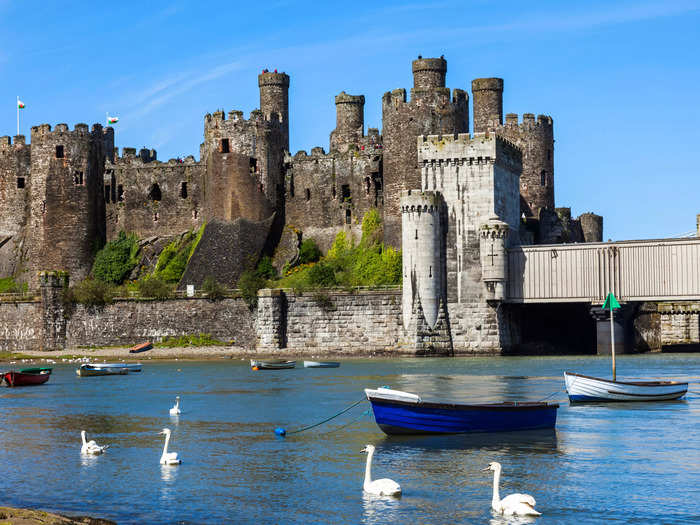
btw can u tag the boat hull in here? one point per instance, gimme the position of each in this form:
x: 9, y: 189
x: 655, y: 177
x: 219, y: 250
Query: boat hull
x: 89, y: 371
x: 272, y: 365
x: 321, y: 364
x: 131, y: 367
x: 586, y: 389
x: 140, y: 348
x: 26, y: 378
x: 401, y: 417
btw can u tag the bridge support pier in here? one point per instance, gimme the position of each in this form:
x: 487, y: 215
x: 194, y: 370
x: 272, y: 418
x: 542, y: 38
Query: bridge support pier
x: 623, y: 329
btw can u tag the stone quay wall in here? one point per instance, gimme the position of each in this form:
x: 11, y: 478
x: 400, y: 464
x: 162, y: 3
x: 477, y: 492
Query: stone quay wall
x: 331, y: 322
x: 21, y: 326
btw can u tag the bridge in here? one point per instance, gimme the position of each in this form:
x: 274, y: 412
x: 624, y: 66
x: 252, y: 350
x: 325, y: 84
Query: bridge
x: 649, y: 270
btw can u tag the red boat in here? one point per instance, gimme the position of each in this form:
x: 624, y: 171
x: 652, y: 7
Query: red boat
x: 26, y: 377
x: 140, y: 348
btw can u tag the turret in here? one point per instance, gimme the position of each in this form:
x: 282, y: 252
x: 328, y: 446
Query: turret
x: 274, y: 98
x: 350, y: 121
x: 423, y: 255
x: 429, y: 73
x: 487, y: 94
x: 592, y: 226
x: 494, y: 262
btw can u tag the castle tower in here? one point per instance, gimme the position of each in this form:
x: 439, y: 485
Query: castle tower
x: 66, y: 205
x: 592, y: 226
x: 429, y: 73
x: 494, y: 258
x: 274, y: 98
x: 488, y: 102
x: 350, y: 121
x: 15, y: 158
x: 425, y: 317
x: 536, y: 139
x: 430, y: 110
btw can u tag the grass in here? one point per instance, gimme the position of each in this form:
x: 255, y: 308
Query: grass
x: 190, y: 340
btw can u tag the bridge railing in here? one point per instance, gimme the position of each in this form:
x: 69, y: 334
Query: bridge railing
x: 663, y: 269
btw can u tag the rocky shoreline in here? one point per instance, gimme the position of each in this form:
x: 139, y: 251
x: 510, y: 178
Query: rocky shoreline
x: 15, y: 516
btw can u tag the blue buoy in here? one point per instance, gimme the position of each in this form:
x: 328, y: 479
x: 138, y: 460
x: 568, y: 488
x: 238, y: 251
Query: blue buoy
x: 279, y: 431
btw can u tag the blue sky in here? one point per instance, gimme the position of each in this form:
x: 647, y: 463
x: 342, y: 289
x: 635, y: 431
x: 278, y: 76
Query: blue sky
x: 620, y: 79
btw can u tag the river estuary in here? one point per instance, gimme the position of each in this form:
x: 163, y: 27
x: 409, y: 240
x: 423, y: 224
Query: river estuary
x: 617, y: 463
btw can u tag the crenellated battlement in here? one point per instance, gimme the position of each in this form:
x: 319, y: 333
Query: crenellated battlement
x: 544, y: 122
x: 7, y: 142
x: 344, y: 98
x: 235, y: 120
x: 273, y: 78
x: 413, y: 201
x: 44, y: 133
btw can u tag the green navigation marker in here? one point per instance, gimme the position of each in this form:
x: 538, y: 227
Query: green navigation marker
x: 611, y: 303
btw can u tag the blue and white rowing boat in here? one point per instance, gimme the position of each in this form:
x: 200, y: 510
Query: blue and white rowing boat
x: 131, y: 367
x: 399, y: 412
x: 595, y: 389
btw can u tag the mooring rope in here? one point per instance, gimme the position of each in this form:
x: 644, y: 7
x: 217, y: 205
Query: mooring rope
x: 550, y: 395
x: 283, y: 431
x: 341, y: 427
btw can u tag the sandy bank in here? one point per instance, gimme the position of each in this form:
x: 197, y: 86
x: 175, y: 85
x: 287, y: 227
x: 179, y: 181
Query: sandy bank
x: 15, y: 516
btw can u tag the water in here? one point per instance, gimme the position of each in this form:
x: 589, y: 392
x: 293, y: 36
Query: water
x: 605, y: 463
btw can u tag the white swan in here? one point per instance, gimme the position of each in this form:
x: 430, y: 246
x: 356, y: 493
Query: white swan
x: 168, y: 458
x: 379, y: 487
x: 90, y: 447
x: 515, y: 504
x: 175, y: 411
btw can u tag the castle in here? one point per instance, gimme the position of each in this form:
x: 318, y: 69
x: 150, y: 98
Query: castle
x: 69, y: 191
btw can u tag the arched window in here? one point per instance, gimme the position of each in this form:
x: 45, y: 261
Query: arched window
x: 154, y: 193
x: 308, y: 194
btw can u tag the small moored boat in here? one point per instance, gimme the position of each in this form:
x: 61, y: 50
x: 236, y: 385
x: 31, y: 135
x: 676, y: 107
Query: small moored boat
x: 595, y: 389
x: 132, y: 367
x: 398, y: 412
x: 92, y: 370
x: 141, y: 347
x: 321, y: 364
x: 271, y: 364
x: 26, y: 377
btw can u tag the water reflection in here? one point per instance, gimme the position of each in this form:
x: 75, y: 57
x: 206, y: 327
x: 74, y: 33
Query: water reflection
x: 510, y: 520
x: 168, y: 473
x: 379, y: 509
x: 89, y: 460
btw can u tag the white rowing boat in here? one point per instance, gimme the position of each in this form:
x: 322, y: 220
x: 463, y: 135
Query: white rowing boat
x: 591, y: 389
x: 321, y: 364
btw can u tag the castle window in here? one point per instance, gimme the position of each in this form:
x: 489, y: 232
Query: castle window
x: 307, y: 191
x: 549, y: 154
x: 367, y: 185
x: 59, y: 152
x: 225, y: 148
x: 345, y: 193
x: 78, y: 178
x: 543, y: 178
x: 348, y: 217
x: 155, y: 217
x: 108, y: 190
x: 120, y: 193
x: 291, y: 188
x: 260, y: 187
x: 154, y: 193
x: 20, y: 182
x: 416, y: 234
x: 335, y: 194
x: 253, y: 165
x: 195, y: 214
x: 183, y: 190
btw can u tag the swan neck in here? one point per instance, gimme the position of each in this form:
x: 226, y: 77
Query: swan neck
x: 165, y: 446
x: 82, y: 436
x: 496, y: 500
x: 368, y: 468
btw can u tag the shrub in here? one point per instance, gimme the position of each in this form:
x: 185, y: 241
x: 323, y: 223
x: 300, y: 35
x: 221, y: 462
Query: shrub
x: 213, y: 289
x: 9, y: 285
x: 322, y: 275
x: 265, y: 268
x: 153, y: 286
x: 309, y: 252
x: 249, y: 283
x: 190, y: 340
x: 114, y: 262
x: 173, y: 260
x: 91, y: 292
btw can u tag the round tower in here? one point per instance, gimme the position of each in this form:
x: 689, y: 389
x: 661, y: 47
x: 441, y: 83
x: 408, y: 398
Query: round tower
x: 592, y: 226
x: 487, y: 95
x: 423, y: 259
x: 274, y: 98
x: 429, y: 72
x: 350, y: 120
x: 494, y: 263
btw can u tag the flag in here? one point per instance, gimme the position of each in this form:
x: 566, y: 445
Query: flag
x: 20, y: 104
x: 112, y: 120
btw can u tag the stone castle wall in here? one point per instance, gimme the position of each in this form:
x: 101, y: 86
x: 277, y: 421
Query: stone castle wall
x: 15, y: 170
x: 151, y: 198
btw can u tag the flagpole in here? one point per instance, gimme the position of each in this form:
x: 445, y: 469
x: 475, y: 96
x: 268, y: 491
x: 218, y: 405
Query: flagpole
x: 17, y: 114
